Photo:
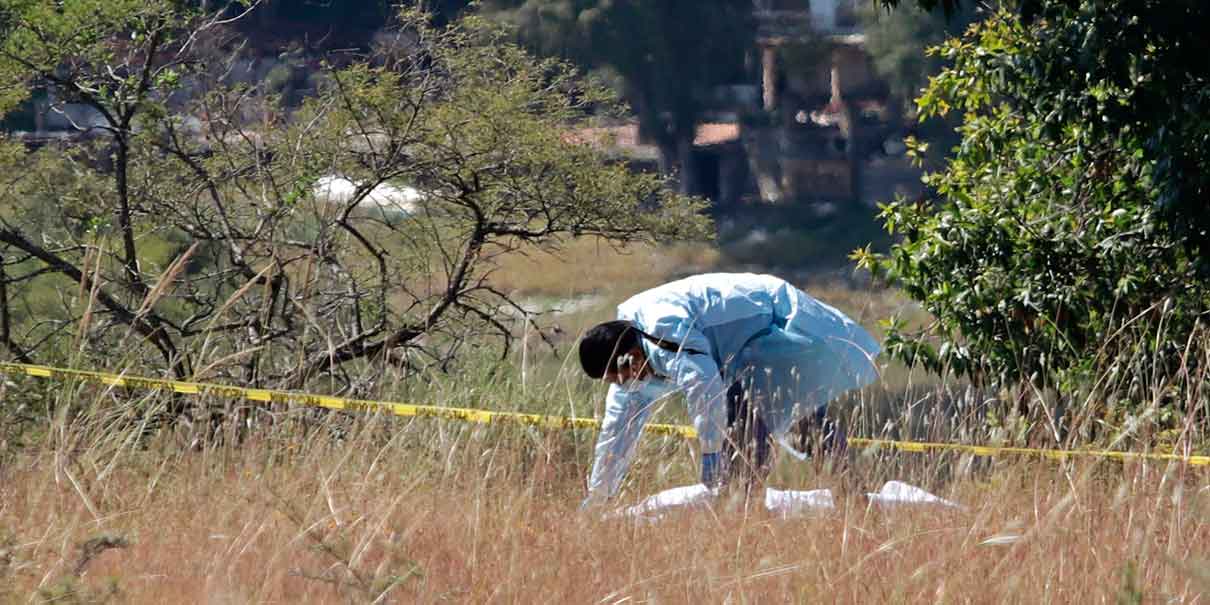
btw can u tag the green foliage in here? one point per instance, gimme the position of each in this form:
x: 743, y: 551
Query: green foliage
x: 897, y: 41
x: 1135, y: 72
x: 64, y: 44
x: 192, y: 233
x: 1129, y: 71
x: 1042, y: 258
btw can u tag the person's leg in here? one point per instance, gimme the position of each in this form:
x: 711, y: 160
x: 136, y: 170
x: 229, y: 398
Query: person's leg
x: 747, y: 450
x: 761, y: 441
x: 819, y: 434
x: 835, y: 438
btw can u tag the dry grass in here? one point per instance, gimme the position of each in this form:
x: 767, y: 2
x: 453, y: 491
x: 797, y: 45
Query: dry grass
x: 316, y: 508
x: 429, y: 512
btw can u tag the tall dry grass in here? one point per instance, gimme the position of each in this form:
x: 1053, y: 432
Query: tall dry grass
x: 103, y: 501
x: 381, y: 510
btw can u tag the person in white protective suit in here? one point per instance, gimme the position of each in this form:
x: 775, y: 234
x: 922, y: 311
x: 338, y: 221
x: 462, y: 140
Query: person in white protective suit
x: 752, y: 339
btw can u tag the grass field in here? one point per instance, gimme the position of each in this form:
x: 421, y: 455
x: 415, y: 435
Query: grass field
x: 293, y: 505
x: 442, y: 513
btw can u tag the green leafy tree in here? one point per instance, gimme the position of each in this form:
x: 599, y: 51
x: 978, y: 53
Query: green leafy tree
x: 669, y: 54
x: 897, y: 41
x: 1133, y: 71
x: 203, y: 229
x: 73, y: 49
x: 1043, y: 257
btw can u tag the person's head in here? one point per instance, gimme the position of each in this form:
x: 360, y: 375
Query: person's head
x: 611, y: 351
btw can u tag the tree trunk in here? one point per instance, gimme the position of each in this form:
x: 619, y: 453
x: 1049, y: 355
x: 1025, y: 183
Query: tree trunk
x: 121, y: 163
x: 768, y: 77
x: 5, y: 324
x: 668, y: 157
x: 654, y: 130
x: 688, y: 168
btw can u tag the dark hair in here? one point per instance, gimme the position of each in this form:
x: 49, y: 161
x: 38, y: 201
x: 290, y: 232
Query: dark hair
x: 600, y: 347
x: 605, y: 342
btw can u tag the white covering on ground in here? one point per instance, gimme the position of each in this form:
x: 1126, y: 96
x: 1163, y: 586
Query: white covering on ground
x: 688, y: 496
x: 785, y: 503
x: 898, y: 493
x: 792, y: 503
x: 387, y: 197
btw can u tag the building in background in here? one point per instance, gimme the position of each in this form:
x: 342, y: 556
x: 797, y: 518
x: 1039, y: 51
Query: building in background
x: 813, y: 127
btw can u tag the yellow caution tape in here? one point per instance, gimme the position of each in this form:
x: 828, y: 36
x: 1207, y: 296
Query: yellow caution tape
x: 333, y: 403
x: 987, y: 450
x: 540, y: 420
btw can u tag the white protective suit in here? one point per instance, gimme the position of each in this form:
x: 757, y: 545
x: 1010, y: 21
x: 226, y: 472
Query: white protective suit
x: 792, y: 353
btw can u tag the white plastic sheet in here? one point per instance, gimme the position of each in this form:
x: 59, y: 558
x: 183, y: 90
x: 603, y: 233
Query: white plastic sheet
x: 668, y: 500
x: 793, y: 503
x: 784, y: 503
x: 898, y: 493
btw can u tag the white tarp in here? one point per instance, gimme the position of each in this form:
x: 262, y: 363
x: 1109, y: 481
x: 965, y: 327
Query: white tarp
x: 793, y: 503
x: 784, y: 503
x: 386, y: 197
x: 689, y: 496
x: 898, y: 493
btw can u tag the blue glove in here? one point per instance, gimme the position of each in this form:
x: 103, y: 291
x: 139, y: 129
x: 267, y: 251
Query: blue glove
x: 710, y: 470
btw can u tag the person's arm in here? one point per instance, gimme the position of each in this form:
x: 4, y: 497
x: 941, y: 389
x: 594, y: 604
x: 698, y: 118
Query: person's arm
x: 699, y: 376
x: 626, y: 411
